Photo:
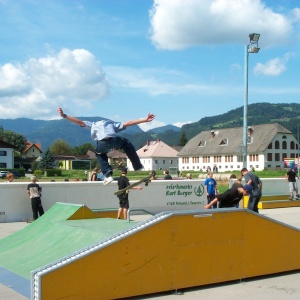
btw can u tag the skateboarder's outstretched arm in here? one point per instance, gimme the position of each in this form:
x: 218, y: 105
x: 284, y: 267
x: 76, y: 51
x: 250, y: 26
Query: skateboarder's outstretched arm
x: 70, y: 118
x: 149, y: 118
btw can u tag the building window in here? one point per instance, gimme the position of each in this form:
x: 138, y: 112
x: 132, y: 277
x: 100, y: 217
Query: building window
x: 284, y: 137
x: 217, y: 159
x: 277, y: 145
x: 277, y: 157
x: 206, y: 159
x: 202, y: 144
x: 270, y: 146
x: 292, y: 145
x: 269, y: 157
x: 195, y: 160
x: 253, y: 157
x: 3, y: 165
x: 228, y: 158
x: 3, y: 153
x: 284, y: 145
x: 185, y: 160
x: 224, y: 142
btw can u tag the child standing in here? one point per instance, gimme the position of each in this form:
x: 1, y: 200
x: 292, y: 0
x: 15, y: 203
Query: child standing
x: 34, y: 192
x: 211, y: 189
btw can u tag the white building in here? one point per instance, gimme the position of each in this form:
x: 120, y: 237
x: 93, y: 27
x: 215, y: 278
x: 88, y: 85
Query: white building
x: 156, y: 155
x: 268, y: 146
x: 6, y: 155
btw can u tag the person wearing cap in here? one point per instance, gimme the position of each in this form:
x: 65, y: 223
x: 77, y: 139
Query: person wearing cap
x: 290, y: 177
x: 231, y: 197
x: 254, y: 197
x: 123, y: 182
x: 105, y: 133
x: 34, y: 192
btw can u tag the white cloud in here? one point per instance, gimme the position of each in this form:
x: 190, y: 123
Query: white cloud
x: 151, y: 125
x: 273, y: 67
x: 157, y: 82
x: 181, y: 24
x: 72, y: 78
x: 180, y: 124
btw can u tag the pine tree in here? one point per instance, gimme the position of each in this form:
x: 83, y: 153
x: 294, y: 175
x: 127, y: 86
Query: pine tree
x: 183, y: 140
x: 47, y: 160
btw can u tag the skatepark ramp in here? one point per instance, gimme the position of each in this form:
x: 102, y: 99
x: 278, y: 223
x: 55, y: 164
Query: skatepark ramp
x: 169, y: 251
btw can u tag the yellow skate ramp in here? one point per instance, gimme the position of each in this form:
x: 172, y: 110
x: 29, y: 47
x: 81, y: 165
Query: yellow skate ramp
x: 172, y: 250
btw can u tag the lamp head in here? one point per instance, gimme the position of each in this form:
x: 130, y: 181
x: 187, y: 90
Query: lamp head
x: 254, y: 37
x: 253, y: 49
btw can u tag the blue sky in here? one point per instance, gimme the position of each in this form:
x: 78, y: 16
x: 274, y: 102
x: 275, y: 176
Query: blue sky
x: 121, y: 59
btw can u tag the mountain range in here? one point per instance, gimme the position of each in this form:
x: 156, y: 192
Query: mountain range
x: 47, y: 132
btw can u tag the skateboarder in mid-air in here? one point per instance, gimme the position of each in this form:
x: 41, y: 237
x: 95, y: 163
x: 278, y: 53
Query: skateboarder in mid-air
x: 123, y: 182
x: 105, y: 133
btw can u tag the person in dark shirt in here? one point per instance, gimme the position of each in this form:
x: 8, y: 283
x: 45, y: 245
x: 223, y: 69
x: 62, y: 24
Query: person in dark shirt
x: 231, y: 197
x: 123, y: 182
x: 290, y: 177
x: 34, y: 192
x: 167, y: 175
x: 255, y: 182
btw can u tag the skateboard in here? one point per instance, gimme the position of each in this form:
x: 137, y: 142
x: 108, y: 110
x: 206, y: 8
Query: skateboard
x: 126, y: 190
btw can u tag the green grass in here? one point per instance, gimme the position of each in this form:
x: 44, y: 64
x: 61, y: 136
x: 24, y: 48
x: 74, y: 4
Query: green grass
x: 132, y: 175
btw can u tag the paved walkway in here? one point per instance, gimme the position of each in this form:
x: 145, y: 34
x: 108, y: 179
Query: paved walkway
x: 276, y: 287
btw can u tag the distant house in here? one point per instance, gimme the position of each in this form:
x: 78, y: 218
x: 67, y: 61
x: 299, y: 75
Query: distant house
x: 156, y: 155
x: 70, y: 162
x: 6, y: 155
x: 267, y: 148
x: 32, y: 151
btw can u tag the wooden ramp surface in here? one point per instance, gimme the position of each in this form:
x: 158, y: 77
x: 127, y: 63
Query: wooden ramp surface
x: 70, y: 253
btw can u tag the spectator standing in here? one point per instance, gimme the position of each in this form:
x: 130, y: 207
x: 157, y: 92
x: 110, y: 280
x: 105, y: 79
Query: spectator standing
x: 94, y: 174
x: 211, y: 189
x: 35, y: 192
x: 10, y: 177
x: 256, y: 184
x: 152, y: 175
x: 123, y: 182
x: 291, y: 176
x: 167, y: 175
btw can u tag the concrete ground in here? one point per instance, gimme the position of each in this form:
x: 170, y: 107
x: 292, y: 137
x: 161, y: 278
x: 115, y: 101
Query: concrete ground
x: 275, y: 287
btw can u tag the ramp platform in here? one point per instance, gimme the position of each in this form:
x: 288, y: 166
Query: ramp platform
x: 101, y: 258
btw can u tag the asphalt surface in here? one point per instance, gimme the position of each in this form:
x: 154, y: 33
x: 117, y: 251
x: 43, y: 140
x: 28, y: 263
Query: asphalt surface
x: 275, y: 287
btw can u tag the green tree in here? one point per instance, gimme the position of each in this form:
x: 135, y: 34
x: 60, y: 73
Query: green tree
x: 61, y: 147
x: 83, y: 149
x: 16, y: 139
x: 183, y: 140
x: 47, y: 160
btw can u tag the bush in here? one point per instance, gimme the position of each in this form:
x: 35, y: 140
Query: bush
x: 38, y: 173
x: 53, y: 172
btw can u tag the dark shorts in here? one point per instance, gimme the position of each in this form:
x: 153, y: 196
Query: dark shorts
x: 124, y: 203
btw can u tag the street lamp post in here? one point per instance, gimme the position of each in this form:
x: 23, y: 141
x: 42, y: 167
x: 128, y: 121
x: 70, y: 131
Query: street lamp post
x: 252, y: 47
